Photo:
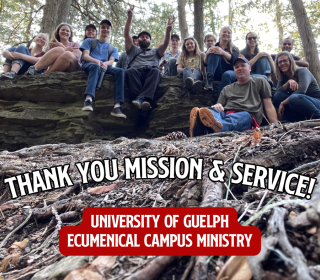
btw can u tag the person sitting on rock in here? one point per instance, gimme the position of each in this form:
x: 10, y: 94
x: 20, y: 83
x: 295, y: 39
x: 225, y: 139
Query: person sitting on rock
x: 298, y: 94
x: 63, y: 56
x: 190, y: 65
x: 240, y: 105
x: 143, y: 74
x: 19, y: 59
x: 287, y: 45
x: 123, y: 58
x: 98, y: 58
x: 168, y: 62
x: 220, y: 58
x: 209, y: 41
x: 90, y: 31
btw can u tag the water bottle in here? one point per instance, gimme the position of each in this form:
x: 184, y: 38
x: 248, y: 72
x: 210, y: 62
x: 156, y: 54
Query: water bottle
x: 100, y: 80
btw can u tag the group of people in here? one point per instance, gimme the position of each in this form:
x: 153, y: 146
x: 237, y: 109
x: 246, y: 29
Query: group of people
x: 245, y: 76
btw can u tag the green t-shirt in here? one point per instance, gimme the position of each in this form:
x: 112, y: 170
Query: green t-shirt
x: 247, y: 97
x: 192, y: 62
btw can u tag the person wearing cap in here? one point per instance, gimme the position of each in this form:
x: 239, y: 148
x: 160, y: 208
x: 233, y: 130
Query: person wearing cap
x: 169, y: 60
x: 123, y: 58
x: 90, y: 31
x: 240, y: 105
x: 143, y: 74
x: 95, y: 60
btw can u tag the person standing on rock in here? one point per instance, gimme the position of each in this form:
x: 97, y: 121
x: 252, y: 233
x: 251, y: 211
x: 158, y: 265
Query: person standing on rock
x: 98, y: 59
x: 240, y: 105
x: 143, y: 74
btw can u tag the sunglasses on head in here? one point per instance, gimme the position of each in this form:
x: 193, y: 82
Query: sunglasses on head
x: 252, y: 38
x: 64, y: 23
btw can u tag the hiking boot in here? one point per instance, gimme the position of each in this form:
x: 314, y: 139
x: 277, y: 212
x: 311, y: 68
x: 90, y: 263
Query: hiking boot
x: 197, y: 86
x: 208, y: 120
x: 189, y: 83
x: 8, y: 75
x: 33, y: 71
x: 196, y: 127
x: 117, y: 112
x: 88, y: 105
x: 138, y: 102
x: 209, y: 82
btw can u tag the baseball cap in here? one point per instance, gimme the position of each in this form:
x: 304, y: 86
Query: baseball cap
x: 241, y: 58
x: 90, y: 25
x: 106, y: 21
x: 144, y: 32
x: 175, y: 36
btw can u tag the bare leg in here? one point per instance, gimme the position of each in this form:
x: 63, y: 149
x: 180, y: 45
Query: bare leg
x: 6, y: 68
x: 49, y: 58
x: 15, y: 67
x: 66, y: 62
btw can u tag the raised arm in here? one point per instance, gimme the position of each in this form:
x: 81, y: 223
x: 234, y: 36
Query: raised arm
x: 163, y: 46
x: 127, y: 37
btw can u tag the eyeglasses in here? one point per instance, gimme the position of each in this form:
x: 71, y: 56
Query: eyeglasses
x: 252, y: 38
x: 285, y: 44
x: 283, y: 61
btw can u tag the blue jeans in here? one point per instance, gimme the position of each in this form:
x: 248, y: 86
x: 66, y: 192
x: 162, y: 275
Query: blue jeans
x: 300, y: 106
x: 186, y: 73
x: 233, y: 122
x: 229, y: 77
x: 23, y: 64
x: 262, y: 66
x: 94, y: 70
x: 214, y: 66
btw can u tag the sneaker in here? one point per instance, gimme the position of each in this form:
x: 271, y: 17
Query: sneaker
x: 209, y: 82
x: 8, y: 75
x: 33, y: 71
x: 208, y: 120
x: 117, y: 112
x: 146, y: 106
x: 197, y: 86
x: 138, y: 102
x: 88, y: 105
x: 189, y: 83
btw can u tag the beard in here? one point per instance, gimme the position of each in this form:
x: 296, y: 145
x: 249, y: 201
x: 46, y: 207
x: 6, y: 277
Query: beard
x: 144, y: 45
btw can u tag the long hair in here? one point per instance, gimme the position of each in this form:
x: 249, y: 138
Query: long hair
x: 246, y: 50
x: 56, y: 32
x: 47, y: 40
x: 184, y: 54
x: 293, y: 67
x: 230, y: 44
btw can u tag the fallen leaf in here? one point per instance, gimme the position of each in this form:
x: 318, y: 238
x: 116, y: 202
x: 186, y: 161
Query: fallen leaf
x: 103, y: 189
x: 236, y: 268
x: 18, y: 245
x: 312, y: 230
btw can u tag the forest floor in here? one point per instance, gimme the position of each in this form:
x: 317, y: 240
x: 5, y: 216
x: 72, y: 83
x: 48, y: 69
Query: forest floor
x: 289, y: 225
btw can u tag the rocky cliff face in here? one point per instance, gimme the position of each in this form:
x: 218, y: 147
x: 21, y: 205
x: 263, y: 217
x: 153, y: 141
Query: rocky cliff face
x: 46, y: 109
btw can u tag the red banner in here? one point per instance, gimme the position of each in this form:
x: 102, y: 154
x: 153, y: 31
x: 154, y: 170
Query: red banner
x: 160, y: 231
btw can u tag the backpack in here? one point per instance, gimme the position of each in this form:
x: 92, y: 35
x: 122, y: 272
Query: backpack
x: 94, y: 43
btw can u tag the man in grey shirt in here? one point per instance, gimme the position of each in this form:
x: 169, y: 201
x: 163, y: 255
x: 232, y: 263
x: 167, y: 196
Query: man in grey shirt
x: 123, y: 59
x: 169, y: 60
x: 143, y: 74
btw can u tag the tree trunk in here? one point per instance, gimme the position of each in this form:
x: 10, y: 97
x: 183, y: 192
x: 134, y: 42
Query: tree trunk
x: 278, y: 22
x: 198, y: 22
x: 307, y: 38
x: 230, y: 13
x: 54, y: 12
x: 183, y: 26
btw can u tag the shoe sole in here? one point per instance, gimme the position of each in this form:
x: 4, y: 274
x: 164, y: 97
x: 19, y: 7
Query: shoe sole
x: 194, y: 115
x: 118, y: 115
x: 197, y: 86
x: 189, y: 83
x: 137, y: 104
x: 208, y: 120
x: 146, y: 106
x: 87, y: 109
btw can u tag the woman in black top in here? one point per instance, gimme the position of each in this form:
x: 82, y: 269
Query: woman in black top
x: 220, y: 58
x: 298, y: 94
